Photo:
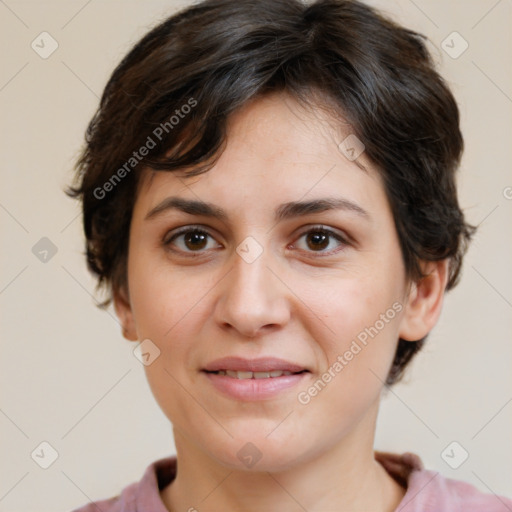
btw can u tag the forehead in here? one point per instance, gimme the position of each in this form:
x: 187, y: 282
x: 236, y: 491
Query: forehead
x: 274, y: 147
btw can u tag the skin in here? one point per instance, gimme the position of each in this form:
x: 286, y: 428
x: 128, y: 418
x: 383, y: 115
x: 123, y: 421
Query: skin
x: 302, y: 302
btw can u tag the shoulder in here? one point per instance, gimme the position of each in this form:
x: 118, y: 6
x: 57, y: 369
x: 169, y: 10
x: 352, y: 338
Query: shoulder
x: 430, y: 491
x: 125, y: 502
x: 447, y: 494
x: 139, y: 496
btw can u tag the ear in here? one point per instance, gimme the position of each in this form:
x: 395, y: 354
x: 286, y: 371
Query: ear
x: 424, y: 301
x: 124, y: 313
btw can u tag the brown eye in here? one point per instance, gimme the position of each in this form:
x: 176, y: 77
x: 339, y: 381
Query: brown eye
x: 319, y: 239
x: 190, y: 240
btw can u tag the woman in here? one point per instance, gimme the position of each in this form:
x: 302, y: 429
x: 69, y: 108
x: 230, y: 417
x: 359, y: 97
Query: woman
x: 269, y: 195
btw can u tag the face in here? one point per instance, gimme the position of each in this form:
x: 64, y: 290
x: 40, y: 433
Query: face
x: 321, y: 288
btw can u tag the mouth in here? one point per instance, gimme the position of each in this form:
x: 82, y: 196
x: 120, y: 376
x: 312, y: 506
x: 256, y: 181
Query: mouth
x: 252, y: 380
x: 259, y: 368
x: 241, y: 374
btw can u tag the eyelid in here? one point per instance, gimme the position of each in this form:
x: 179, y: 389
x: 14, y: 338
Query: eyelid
x: 327, y: 229
x: 184, y: 229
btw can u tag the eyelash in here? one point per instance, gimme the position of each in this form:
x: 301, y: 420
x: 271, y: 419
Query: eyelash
x: 199, y: 230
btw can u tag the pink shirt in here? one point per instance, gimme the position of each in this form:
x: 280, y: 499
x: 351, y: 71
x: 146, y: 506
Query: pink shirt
x: 427, y: 491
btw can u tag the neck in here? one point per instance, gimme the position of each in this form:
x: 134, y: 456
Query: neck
x: 343, y: 477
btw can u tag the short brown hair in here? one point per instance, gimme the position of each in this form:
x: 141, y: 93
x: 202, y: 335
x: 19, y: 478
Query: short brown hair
x: 217, y: 55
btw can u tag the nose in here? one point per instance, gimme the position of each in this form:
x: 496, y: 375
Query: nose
x: 253, y: 298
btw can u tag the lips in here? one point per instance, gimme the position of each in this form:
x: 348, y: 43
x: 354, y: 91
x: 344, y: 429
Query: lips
x: 253, y: 375
x: 264, y: 378
x: 260, y: 368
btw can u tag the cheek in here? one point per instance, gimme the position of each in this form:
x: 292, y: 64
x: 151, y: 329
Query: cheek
x: 164, y: 299
x: 169, y: 310
x: 355, y: 341
x: 355, y: 365
x: 349, y: 307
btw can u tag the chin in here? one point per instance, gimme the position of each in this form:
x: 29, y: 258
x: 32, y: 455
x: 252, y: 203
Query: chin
x: 258, y: 454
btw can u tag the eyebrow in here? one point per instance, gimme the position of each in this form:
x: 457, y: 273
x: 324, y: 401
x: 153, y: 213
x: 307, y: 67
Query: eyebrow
x: 283, y: 212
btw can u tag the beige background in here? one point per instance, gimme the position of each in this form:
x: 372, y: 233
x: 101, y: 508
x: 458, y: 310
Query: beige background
x: 69, y: 378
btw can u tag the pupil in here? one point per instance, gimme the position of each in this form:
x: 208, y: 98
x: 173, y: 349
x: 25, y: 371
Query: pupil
x: 319, y: 237
x: 195, y: 237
